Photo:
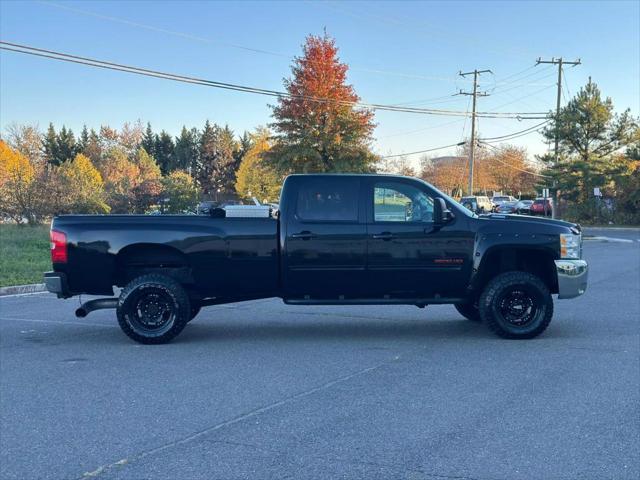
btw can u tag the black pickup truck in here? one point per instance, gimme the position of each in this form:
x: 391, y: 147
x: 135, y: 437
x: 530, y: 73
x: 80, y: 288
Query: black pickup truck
x: 337, y: 239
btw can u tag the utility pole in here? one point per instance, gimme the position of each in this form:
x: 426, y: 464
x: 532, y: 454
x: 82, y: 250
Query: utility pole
x: 475, y: 94
x: 557, y: 61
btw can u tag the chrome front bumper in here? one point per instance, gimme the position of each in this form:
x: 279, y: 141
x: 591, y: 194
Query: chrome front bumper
x: 572, y: 277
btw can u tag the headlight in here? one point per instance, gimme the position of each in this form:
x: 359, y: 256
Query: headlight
x: 569, y: 245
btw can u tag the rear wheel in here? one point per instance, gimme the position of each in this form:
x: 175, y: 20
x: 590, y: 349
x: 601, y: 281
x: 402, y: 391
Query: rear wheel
x: 468, y: 311
x: 516, y: 305
x: 153, y: 309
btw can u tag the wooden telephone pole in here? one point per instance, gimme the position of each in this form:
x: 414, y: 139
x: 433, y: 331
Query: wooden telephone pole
x: 475, y: 94
x: 560, y: 62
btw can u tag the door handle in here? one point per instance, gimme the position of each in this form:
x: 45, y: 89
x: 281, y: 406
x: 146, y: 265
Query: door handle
x: 305, y: 235
x: 386, y: 236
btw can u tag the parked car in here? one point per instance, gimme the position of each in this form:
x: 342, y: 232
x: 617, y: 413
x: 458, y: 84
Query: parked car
x: 338, y: 240
x: 523, y: 207
x: 506, y: 207
x: 542, y: 206
x: 496, y: 200
x: 477, y: 204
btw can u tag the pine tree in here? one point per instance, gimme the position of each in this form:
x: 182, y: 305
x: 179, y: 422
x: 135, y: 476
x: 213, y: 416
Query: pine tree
x: 207, y: 157
x: 149, y: 140
x: 50, y: 146
x: 244, y: 145
x: 93, y: 148
x: 330, y: 135
x: 224, y: 176
x: 163, y: 149
x: 67, y: 147
x: 83, y: 141
x: 589, y: 133
x: 186, y: 150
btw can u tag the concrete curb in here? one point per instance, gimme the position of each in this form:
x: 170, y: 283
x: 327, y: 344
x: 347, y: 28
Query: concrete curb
x: 22, y: 289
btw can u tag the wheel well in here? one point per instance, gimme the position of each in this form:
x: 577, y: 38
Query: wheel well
x: 537, y: 262
x: 143, y: 258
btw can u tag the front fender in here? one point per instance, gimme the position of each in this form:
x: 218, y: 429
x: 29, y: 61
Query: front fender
x: 505, y: 251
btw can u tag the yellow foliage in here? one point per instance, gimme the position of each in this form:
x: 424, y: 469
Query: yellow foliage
x: 254, y: 177
x: 81, y: 172
x: 18, y: 192
x: 14, y: 167
x: 82, y: 186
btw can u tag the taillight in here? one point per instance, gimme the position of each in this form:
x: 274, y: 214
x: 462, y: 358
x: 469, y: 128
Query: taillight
x: 58, y: 247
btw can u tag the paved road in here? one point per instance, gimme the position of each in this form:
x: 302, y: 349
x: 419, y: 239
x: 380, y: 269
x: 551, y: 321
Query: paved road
x: 262, y: 390
x: 614, y: 234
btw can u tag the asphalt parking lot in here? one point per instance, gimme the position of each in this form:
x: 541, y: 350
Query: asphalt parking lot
x: 264, y: 390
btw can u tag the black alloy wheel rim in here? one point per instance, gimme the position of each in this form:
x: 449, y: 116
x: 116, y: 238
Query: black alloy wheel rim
x: 153, y: 312
x: 518, y: 306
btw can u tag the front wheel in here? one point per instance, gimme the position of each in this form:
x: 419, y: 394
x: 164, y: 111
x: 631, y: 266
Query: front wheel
x: 153, y: 309
x: 516, y: 305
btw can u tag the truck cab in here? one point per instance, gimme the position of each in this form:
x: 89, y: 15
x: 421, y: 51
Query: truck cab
x: 365, y: 238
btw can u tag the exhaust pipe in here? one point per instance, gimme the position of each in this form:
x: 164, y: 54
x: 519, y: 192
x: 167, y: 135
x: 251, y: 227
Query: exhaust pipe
x: 98, y: 304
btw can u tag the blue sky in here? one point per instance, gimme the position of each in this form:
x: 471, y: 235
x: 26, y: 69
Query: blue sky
x: 399, y: 52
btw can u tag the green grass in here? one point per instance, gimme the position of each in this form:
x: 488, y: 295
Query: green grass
x: 24, y: 254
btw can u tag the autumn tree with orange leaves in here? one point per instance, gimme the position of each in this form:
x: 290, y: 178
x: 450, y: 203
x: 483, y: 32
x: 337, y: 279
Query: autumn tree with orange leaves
x: 317, y: 127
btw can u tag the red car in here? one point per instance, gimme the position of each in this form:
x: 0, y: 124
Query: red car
x: 539, y: 208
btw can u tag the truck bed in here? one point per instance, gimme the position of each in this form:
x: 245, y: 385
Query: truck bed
x: 222, y: 253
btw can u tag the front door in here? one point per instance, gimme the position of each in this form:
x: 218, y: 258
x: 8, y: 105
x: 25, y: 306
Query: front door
x: 325, y: 241
x: 409, y: 256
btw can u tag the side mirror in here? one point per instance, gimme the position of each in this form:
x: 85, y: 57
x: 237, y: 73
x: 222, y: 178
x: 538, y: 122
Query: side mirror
x: 441, y: 214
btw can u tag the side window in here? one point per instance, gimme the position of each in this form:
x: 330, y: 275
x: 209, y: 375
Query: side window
x: 328, y: 200
x: 399, y: 202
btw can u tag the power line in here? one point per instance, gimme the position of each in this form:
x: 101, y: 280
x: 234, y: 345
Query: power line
x: 530, y: 67
x: 518, y: 80
x: 521, y: 133
x: 524, y: 97
x: 424, y: 151
x: 431, y: 101
x: 512, y: 166
x: 431, y: 127
x: 416, y: 27
x: 54, y: 55
x: 198, y: 38
x: 487, y: 141
x: 514, y: 86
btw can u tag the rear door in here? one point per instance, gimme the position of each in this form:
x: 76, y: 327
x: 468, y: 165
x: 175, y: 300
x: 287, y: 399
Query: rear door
x: 325, y: 250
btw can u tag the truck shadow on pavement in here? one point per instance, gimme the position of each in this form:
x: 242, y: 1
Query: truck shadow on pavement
x: 205, y: 330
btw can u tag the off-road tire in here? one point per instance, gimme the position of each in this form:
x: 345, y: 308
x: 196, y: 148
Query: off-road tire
x: 147, y: 288
x: 494, y: 305
x: 468, y: 311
